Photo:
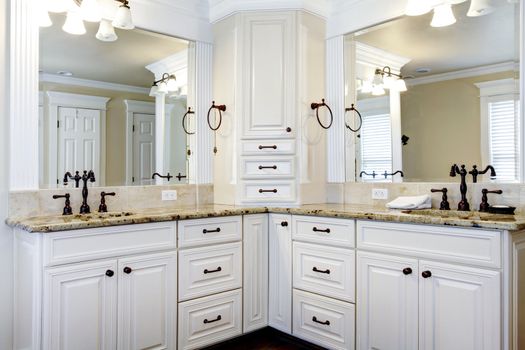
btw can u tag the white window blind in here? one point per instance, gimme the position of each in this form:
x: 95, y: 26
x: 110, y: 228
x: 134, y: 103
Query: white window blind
x: 504, y: 142
x: 376, y: 145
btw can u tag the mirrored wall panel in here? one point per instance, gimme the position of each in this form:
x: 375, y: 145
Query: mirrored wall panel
x: 112, y: 102
x: 431, y: 93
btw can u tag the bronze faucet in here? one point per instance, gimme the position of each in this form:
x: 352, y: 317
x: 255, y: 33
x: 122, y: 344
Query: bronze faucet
x: 103, y: 208
x: 455, y: 170
x: 475, y: 172
x: 88, y: 176
x: 444, y: 205
x: 67, y: 207
x: 484, y: 206
x: 76, y: 178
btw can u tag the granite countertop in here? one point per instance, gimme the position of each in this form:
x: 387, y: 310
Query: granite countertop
x: 363, y: 212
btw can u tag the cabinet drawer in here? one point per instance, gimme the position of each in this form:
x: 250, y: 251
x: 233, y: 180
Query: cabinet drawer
x: 268, y: 147
x: 324, y: 321
x: 338, y: 232
x: 210, y: 231
x: 469, y: 246
x: 209, y: 270
x: 210, y: 320
x: 269, y: 191
x: 97, y: 243
x: 324, y: 270
x: 257, y: 168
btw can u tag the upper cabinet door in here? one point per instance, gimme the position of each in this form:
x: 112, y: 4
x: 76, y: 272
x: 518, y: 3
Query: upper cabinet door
x: 387, y: 302
x: 459, y: 308
x: 148, y: 302
x: 80, y: 307
x: 269, y: 75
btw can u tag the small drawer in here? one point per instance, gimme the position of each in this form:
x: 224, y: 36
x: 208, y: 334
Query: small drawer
x: 98, y: 243
x: 338, y: 232
x: 210, y: 231
x: 324, y: 270
x: 210, y: 320
x: 257, y: 168
x: 269, y: 191
x: 268, y: 147
x: 208, y: 270
x: 468, y: 246
x: 323, y: 321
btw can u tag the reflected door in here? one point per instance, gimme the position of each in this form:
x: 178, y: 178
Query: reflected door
x: 78, y: 141
x: 143, y: 148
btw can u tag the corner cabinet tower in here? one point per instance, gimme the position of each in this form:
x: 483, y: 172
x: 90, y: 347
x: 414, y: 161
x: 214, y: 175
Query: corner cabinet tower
x: 268, y: 69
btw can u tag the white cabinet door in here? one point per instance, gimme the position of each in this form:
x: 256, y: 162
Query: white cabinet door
x: 255, y: 282
x: 387, y: 302
x: 280, y: 272
x: 459, y: 307
x: 80, y: 306
x: 143, y: 148
x: 147, y: 302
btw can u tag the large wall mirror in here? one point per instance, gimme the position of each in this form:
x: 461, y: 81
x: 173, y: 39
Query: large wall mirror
x: 102, y: 97
x: 457, y: 100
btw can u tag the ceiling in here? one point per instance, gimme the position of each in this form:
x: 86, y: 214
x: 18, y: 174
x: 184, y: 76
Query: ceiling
x: 470, y: 42
x: 120, y: 62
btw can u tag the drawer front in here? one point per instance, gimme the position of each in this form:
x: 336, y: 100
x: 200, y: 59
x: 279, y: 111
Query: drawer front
x: 97, y: 243
x: 269, y: 191
x: 324, y: 270
x: 258, y: 168
x: 338, y: 232
x: 268, y: 147
x: 469, y: 246
x: 210, y: 231
x: 324, y: 321
x: 209, y: 320
x: 208, y: 270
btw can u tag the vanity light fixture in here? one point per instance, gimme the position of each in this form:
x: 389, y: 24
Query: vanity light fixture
x: 480, y: 8
x: 123, y: 17
x: 106, y: 32
x: 384, y: 79
x: 74, y: 24
x: 167, y: 84
x: 443, y: 16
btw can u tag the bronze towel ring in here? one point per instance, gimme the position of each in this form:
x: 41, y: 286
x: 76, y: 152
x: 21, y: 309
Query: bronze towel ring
x: 184, y: 121
x: 220, y: 108
x: 315, y: 106
x: 358, y: 114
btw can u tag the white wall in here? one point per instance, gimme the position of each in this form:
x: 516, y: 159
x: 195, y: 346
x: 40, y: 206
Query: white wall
x: 6, y: 260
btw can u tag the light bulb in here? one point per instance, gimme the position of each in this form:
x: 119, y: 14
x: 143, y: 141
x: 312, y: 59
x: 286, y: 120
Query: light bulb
x: 74, y: 23
x: 172, y: 84
x: 378, y: 90
x: 90, y: 11
x: 59, y: 6
x: 443, y: 16
x: 106, y: 32
x: 123, y: 18
x: 480, y: 8
x: 400, y: 85
x: 417, y: 7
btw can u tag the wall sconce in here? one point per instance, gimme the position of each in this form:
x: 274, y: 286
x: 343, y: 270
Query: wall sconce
x: 166, y: 84
x: 384, y: 79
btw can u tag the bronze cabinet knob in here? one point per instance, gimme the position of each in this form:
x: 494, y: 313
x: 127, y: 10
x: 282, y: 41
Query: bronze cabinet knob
x: 284, y: 223
x: 110, y: 273
x: 426, y: 274
x: 407, y: 271
x: 127, y: 270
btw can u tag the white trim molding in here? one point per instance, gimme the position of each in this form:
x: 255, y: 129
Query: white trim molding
x: 59, y: 79
x: 373, y: 57
x: 170, y: 64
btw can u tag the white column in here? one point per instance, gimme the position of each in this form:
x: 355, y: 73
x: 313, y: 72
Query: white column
x: 160, y: 135
x: 397, y: 147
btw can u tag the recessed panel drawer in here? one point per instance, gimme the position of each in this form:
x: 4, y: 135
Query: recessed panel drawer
x: 324, y: 321
x: 208, y: 270
x: 338, y: 232
x: 270, y: 191
x: 209, y: 320
x: 210, y: 231
x: 268, y: 147
x: 470, y: 246
x: 324, y: 270
x: 258, y: 168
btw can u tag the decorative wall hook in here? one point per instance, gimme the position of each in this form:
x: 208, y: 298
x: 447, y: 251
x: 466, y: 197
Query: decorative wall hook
x: 353, y: 109
x: 184, y: 121
x: 220, y: 108
x: 315, y: 106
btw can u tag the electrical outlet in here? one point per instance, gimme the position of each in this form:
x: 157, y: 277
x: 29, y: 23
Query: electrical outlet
x: 379, y: 193
x: 169, y: 195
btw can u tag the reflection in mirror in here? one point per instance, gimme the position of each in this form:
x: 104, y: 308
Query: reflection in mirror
x: 431, y: 97
x: 98, y: 110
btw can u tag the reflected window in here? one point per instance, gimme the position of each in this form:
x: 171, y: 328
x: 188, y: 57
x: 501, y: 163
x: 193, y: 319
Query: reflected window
x: 376, y: 145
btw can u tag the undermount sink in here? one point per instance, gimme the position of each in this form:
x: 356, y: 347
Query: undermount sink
x: 95, y: 216
x: 464, y: 215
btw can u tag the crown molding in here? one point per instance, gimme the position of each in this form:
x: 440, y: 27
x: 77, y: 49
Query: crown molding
x: 498, y: 87
x: 219, y: 9
x: 371, y: 56
x: 170, y: 64
x: 59, y: 79
x: 66, y: 99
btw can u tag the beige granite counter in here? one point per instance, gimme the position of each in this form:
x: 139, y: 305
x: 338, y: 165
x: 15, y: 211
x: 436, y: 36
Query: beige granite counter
x: 363, y: 212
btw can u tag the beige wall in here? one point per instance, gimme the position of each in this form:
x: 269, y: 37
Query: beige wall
x: 443, y: 122
x: 115, y: 126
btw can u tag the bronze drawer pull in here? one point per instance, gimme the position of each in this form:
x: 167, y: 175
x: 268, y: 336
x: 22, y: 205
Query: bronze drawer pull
x: 315, y: 229
x: 326, y: 323
x: 267, y: 191
x: 265, y: 147
x: 206, y: 271
x: 261, y: 167
x: 218, y: 229
x: 315, y: 269
x: 206, y: 321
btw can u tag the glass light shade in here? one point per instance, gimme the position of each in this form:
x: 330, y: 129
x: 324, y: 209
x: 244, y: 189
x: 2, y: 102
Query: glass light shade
x: 417, y: 7
x: 172, y: 84
x: 378, y: 90
x: 74, y: 23
x: 389, y: 81
x: 154, y: 90
x: 367, y: 87
x: 163, y: 88
x: 378, y: 79
x: 123, y: 18
x: 58, y: 6
x: 443, y: 16
x: 90, y: 10
x: 480, y: 8
x: 43, y: 18
x: 400, y: 85
x: 106, y: 32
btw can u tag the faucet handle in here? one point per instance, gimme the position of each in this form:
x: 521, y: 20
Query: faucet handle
x: 484, y: 206
x: 67, y: 207
x: 444, y: 205
x: 103, y: 208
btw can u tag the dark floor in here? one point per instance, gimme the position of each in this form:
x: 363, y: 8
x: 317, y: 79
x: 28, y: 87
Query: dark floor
x: 265, y: 339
